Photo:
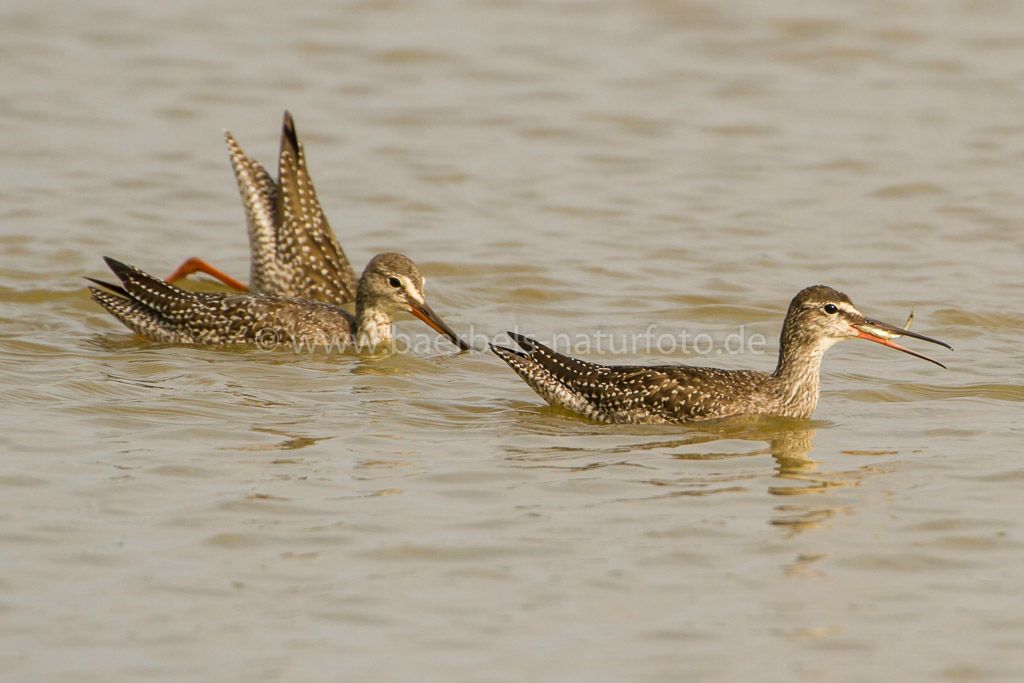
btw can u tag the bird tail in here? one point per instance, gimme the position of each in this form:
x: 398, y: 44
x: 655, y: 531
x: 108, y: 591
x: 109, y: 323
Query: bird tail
x: 549, y: 373
x: 566, y: 369
x: 143, y: 303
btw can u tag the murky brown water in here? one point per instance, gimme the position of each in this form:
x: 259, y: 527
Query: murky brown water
x: 562, y: 167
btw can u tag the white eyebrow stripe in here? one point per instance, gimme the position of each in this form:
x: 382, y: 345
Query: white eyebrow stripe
x: 410, y: 288
x: 847, y: 308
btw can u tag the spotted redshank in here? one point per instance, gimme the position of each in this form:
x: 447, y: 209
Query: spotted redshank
x: 818, y: 317
x: 163, y: 312
x: 293, y: 251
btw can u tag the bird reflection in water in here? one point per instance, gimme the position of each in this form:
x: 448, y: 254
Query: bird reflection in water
x: 797, y: 476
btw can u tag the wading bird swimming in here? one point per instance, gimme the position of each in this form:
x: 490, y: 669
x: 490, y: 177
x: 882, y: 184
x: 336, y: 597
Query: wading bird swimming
x: 818, y: 317
x: 163, y: 312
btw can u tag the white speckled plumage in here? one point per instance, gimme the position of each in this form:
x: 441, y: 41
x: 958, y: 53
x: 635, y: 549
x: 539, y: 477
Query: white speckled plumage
x: 817, y: 318
x: 293, y: 251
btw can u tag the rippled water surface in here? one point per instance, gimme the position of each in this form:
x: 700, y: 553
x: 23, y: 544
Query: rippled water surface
x: 180, y: 513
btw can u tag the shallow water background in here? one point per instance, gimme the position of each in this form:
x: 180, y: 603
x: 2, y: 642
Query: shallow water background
x: 190, y: 514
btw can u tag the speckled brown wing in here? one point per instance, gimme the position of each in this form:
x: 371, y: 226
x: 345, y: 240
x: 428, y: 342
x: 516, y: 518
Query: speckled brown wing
x: 616, y: 394
x: 162, y: 312
x: 632, y: 394
x: 259, y: 198
x: 293, y: 251
x: 307, y: 249
x: 681, y: 393
x: 550, y: 381
x: 562, y: 381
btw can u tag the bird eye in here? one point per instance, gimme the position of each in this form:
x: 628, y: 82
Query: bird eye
x: 831, y: 308
x: 394, y: 282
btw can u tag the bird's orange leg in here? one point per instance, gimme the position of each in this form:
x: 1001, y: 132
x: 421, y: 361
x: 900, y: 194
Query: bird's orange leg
x: 197, y: 265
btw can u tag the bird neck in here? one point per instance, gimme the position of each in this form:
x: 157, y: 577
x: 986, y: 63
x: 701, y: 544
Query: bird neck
x: 373, y: 324
x: 798, y: 373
